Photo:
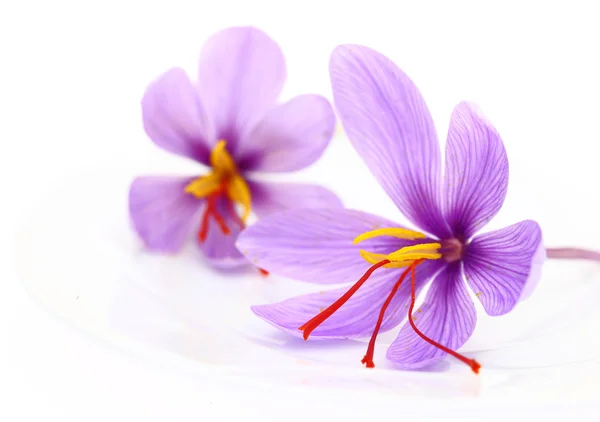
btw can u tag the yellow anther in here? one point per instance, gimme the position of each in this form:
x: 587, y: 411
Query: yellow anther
x: 414, y: 256
x: 204, y: 185
x: 224, y: 175
x: 221, y: 161
x: 374, y: 258
x: 405, y: 256
x: 423, y: 250
x: 238, y: 191
x: 397, y: 232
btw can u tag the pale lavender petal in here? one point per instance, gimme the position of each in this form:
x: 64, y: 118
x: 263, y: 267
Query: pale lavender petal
x: 162, y: 214
x: 241, y: 73
x: 270, y: 197
x: 447, y: 316
x: 476, y: 171
x: 290, y: 137
x: 503, y: 267
x: 174, y: 117
x: 316, y: 245
x: 388, y: 123
x: 218, y: 247
x: 358, y: 316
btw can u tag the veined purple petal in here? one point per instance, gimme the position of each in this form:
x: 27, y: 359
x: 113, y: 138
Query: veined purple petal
x: 388, y: 123
x: 316, y: 245
x: 503, y: 266
x: 447, y: 316
x: 358, y: 316
x: 240, y: 75
x: 269, y: 197
x: 290, y: 137
x: 218, y: 247
x: 476, y: 171
x: 174, y: 117
x: 162, y: 214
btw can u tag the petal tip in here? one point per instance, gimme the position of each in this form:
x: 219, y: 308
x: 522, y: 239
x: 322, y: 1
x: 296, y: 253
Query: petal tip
x: 243, y: 239
x: 257, y: 309
x: 474, y: 111
x: 348, y: 48
x: 228, y: 263
x: 265, y: 313
x: 535, y: 272
x: 411, y: 366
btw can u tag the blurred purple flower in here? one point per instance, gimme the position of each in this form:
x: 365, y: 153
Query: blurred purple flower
x: 229, y: 121
x: 390, y: 126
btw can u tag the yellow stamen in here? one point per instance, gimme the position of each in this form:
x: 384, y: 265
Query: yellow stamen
x: 405, y: 256
x: 393, y: 232
x: 224, y: 173
x: 238, y: 191
x: 424, y: 250
x: 221, y: 161
x: 204, y: 185
x: 374, y: 258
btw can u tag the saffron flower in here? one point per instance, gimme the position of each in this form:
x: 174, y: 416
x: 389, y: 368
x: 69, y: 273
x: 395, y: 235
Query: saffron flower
x: 389, y: 124
x: 230, y: 122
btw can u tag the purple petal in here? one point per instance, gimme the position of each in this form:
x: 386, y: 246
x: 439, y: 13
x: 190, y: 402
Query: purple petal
x: 268, y: 197
x: 218, y: 247
x: 290, y: 137
x: 162, y: 214
x: 241, y: 73
x: 175, y: 119
x: 447, y: 316
x: 388, y: 122
x: 504, y: 266
x: 358, y: 316
x: 476, y: 171
x: 315, y: 245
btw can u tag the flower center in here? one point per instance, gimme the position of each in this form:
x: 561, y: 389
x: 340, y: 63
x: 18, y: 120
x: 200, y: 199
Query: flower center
x: 223, y: 182
x: 408, y: 257
x: 452, y: 250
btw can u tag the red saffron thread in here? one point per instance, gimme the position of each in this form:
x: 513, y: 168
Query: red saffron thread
x: 211, y: 211
x: 368, y: 359
x: 309, y: 326
x: 475, y: 366
x: 312, y: 324
x: 233, y: 213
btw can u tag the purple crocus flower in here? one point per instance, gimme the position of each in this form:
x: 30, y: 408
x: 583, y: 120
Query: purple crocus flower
x: 228, y: 120
x: 388, y: 123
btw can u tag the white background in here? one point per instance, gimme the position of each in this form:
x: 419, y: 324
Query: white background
x: 71, y: 78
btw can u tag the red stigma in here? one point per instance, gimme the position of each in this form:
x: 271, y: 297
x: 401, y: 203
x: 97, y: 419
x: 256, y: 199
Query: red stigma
x: 233, y: 212
x: 311, y: 325
x: 368, y: 359
x: 475, y: 366
x: 211, y: 211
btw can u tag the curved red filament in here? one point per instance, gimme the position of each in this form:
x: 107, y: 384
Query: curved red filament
x: 211, y: 211
x: 475, y: 366
x: 368, y: 359
x: 309, y: 326
x: 232, y: 212
x: 312, y: 324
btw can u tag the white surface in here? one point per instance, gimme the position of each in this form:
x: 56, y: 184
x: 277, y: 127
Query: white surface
x: 70, y: 102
